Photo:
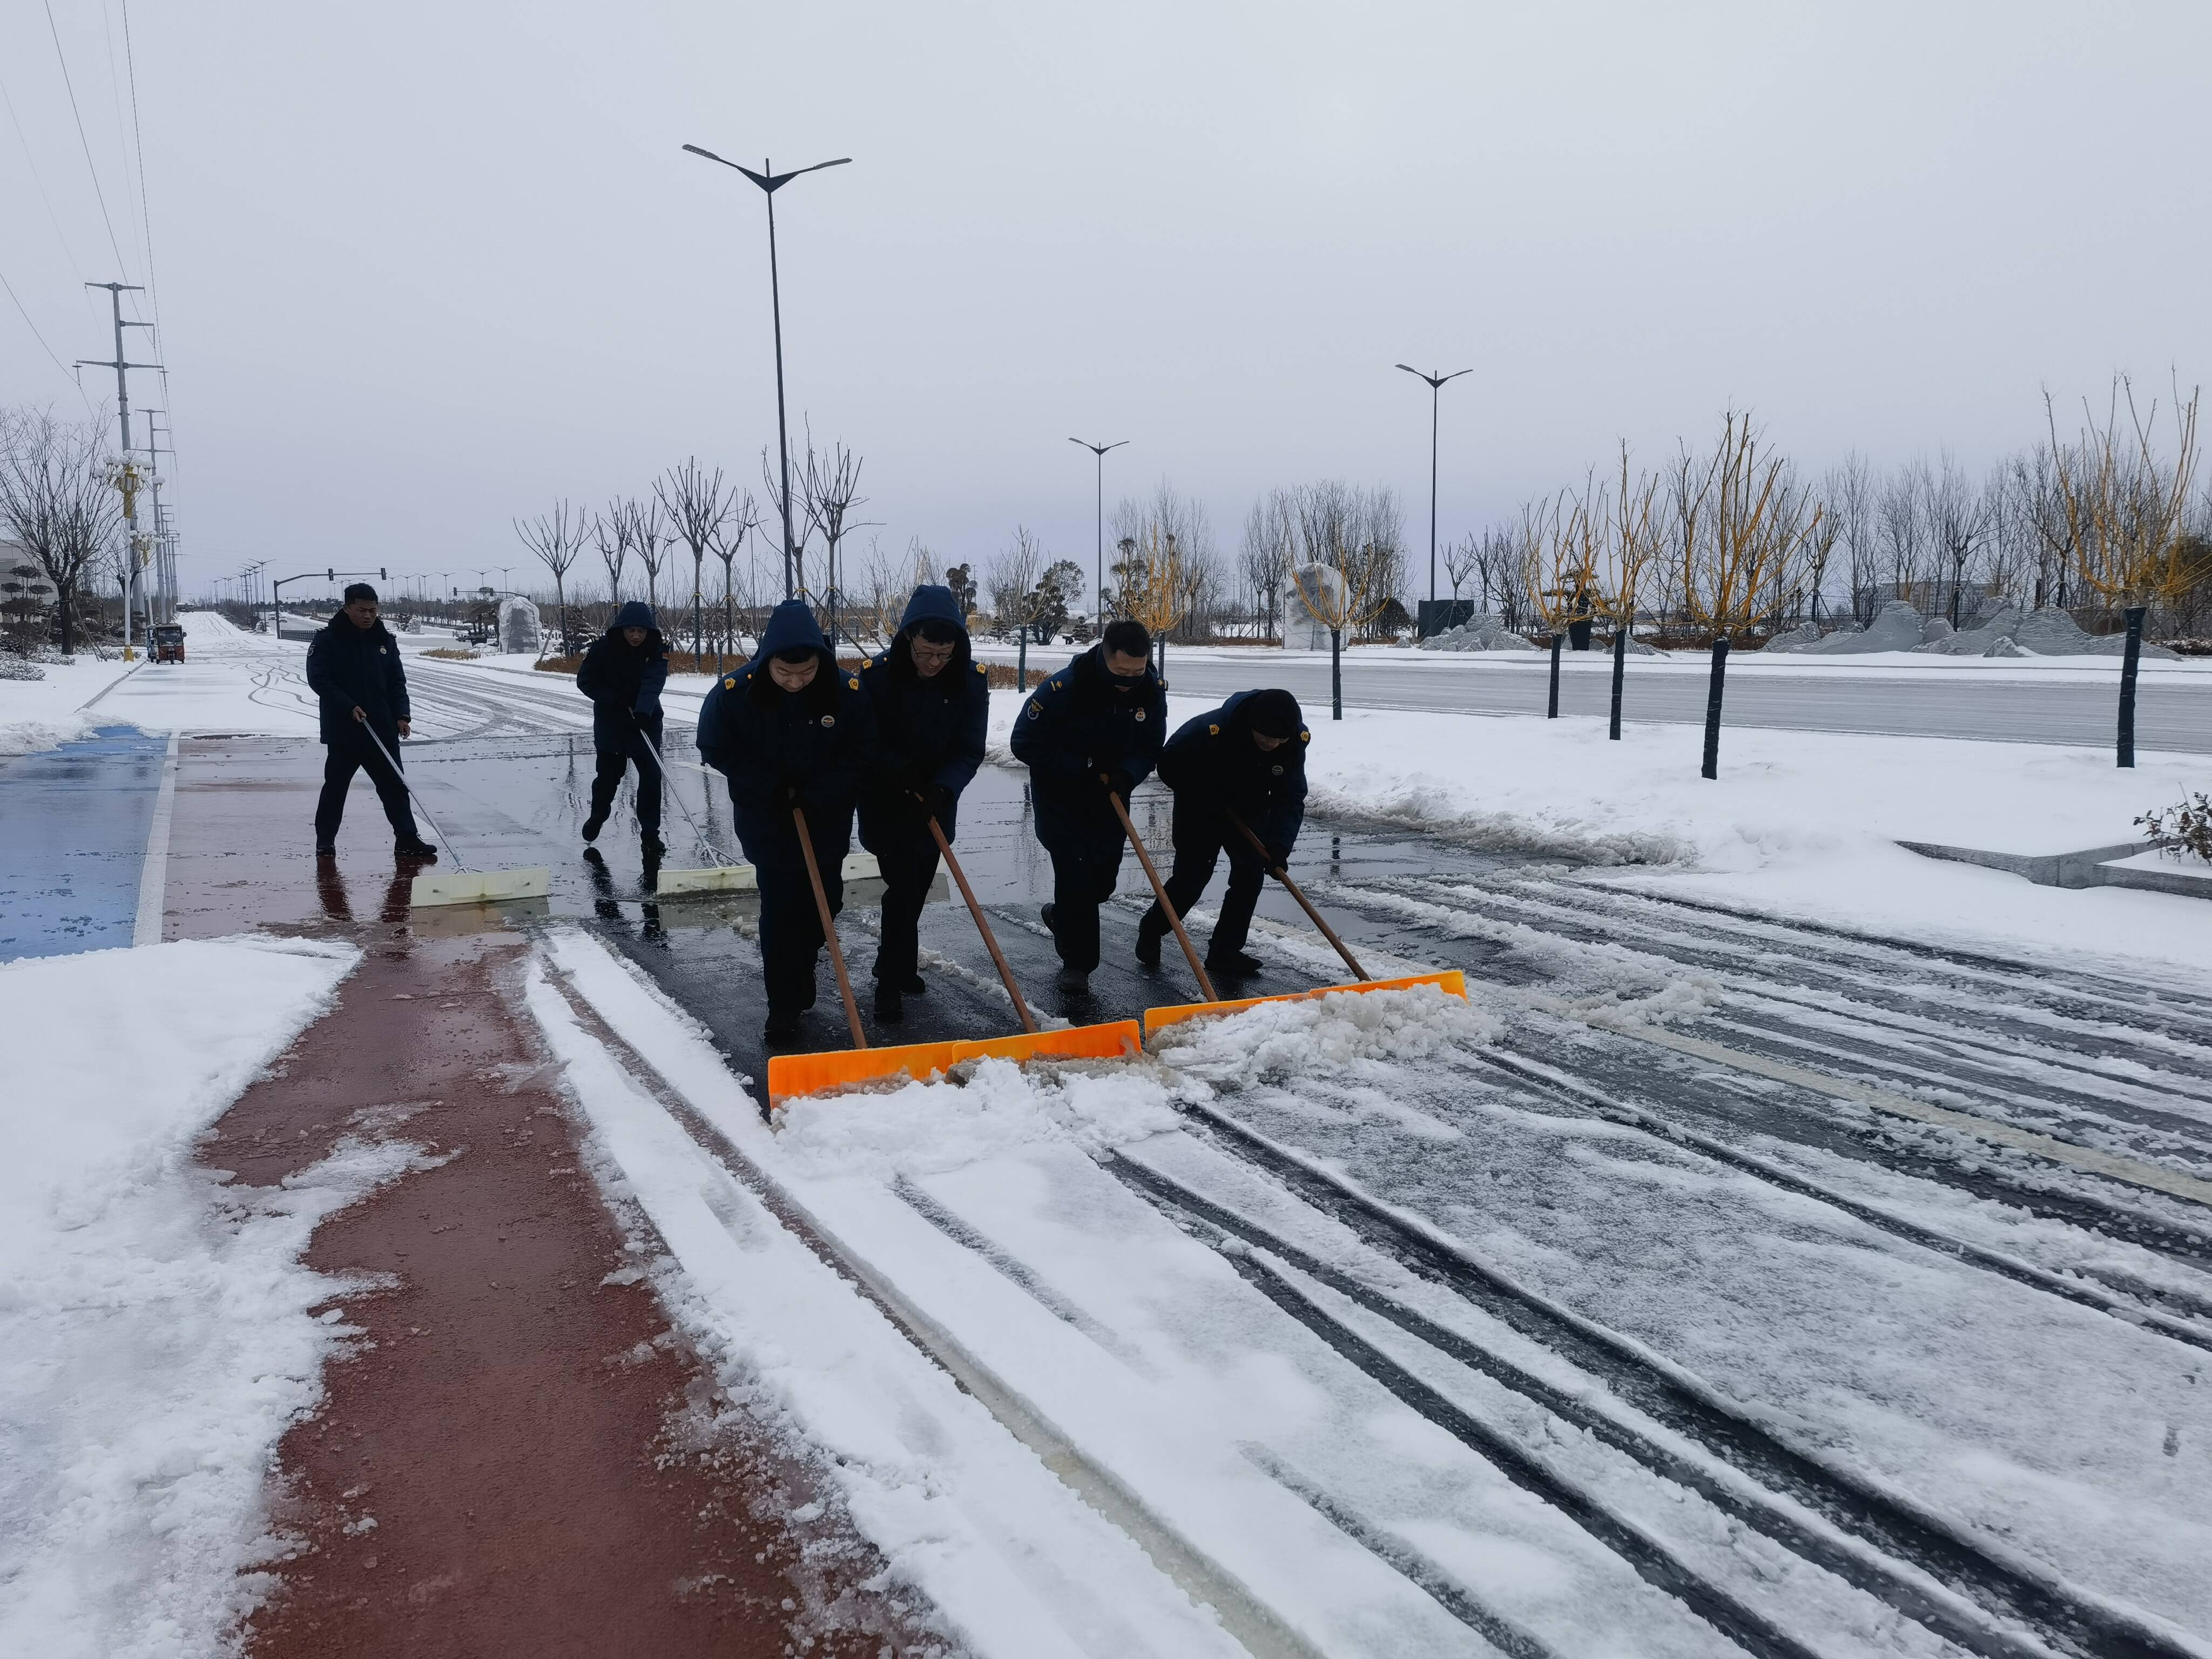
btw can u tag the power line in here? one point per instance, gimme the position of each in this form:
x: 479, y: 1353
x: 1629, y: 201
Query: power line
x: 32, y: 163
x: 41, y: 338
x: 145, y: 215
x: 62, y: 57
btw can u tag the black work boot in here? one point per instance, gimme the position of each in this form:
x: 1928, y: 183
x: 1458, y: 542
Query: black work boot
x: 1050, y: 926
x: 891, y: 1006
x: 1148, y: 945
x: 327, y: 849
x: 417, y: 850
x: 916, y: 986
x: 1239, y: 964
x: 594, y: 824
x: 781, y: 1031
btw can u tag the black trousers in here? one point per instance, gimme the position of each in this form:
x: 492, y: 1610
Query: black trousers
x: 341, y: 760
x: 607, y: 778
x: 1084, y: 872
x: 791, y: 933
x: 1201, y: 836
x: 909, y: 865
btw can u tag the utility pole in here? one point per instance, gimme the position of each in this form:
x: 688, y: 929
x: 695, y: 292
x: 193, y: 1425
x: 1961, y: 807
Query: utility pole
x: 1099, y: 593
x: 164, y: 595
x: 1435, y: 397
x: 115, y: 293
x: 771, y: 181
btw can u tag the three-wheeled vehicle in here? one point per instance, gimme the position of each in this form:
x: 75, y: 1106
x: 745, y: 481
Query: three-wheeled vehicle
x: 169, y: 642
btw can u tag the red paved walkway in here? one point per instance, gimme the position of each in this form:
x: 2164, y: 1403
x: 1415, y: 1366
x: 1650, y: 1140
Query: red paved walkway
x: 549, y: 1469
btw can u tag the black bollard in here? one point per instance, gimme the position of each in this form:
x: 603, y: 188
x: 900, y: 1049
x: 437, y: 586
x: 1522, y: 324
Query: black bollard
x: 1619, y: 673
x: 2133, y: 656
x: 1552, y: 708
x: 1712, y: 766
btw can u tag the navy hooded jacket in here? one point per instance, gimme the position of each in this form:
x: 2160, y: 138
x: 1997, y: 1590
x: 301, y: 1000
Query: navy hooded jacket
x: 759, y: 736
x: 1211, y: 763
x: 1073, y: 727
x: 350, y: 667
x: 623, y: 681
x: 927, y: 731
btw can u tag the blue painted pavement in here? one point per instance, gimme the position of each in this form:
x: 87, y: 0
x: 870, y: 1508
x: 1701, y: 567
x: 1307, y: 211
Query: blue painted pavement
x: 73, y: 823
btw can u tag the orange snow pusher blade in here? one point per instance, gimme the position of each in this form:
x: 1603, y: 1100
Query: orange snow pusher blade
x: 790, y: 1076
x: 1453, y: 983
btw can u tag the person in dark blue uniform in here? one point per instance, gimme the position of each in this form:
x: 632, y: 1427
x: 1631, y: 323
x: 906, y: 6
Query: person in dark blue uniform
x: 932, y: 703
x: 1093, y: 729
x: 790, y: 730
x: 622, y: 673
x: 353, y: 669
x: 1248, y: 757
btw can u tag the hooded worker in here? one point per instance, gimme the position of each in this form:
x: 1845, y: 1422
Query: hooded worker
x: 1241, y: 763
x: 1089, y: 735
x: 623, y: 674
x: 354, y: 670
x: 793, y: 735
x: 932, y: 702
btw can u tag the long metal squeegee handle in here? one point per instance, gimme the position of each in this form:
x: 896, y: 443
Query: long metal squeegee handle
x: 983, y: 926
x: 1282, y: 874
x: 1160, y: 893
x: 828, y: 928
x: 451, y: 851
x: 669, y: 784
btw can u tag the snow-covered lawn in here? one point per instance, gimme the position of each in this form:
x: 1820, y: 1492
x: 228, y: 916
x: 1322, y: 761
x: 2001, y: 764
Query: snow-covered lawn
x: 155, y: 1334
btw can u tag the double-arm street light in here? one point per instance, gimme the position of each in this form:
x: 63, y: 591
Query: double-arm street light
x: 1435, y: 397
x: 771, y: 181
x: 1098, y: 594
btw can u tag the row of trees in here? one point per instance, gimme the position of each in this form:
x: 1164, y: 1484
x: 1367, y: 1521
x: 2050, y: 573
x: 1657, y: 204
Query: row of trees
x: 60, y: 502
x: 1734, y: 538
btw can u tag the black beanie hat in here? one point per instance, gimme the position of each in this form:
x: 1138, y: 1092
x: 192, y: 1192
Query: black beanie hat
x: 1274, y: 713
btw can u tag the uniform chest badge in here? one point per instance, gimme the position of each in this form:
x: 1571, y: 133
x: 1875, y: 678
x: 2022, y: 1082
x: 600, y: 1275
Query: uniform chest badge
x: 1140, y: 714
x: 1279, y: 771
x: 829, y: 719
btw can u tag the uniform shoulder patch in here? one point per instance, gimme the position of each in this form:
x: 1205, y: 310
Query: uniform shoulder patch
x: 1211, y: 730
x: 1305, y: 737
x: 1055, y: 686
x: 1035, y: 712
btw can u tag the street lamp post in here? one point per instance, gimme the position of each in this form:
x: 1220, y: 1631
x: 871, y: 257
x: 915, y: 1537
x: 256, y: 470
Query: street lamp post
x: 1098, y: 594
x: 1435, y: 397
x: 771, y: 181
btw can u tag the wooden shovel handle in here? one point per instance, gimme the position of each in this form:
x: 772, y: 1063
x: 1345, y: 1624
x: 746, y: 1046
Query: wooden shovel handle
x: 1160, y: 893
x: 982, y: 927
x: 1283, y: 875
x: 829, y: 927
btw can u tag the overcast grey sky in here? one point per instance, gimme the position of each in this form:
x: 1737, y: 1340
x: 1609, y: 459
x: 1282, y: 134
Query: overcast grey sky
x: 424, y: 267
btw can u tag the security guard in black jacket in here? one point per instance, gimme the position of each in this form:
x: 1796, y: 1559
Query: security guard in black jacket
x: 933, y: 703
x: 1093, y: 730
x: 623, y: 674
x: 1247, y: 757
x: 788, y: 730
x: 353, y: 669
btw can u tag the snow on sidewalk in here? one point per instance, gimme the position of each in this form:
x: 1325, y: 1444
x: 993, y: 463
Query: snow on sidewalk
x: 155, y: 1334
x: 985, y: 1209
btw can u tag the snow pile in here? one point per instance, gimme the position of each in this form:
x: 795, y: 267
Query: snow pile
x: 154, y: 1332
x: 1481, y: 633
x: 984, y: 1109
x: 1350, y: 1031
x: 2007, y: 631
x: 1898, y: 628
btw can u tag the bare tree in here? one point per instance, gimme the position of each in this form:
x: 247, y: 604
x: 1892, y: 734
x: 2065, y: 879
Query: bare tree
x: 1848, y: 491
x: 1167, y: 520
x: 1270, y: 548
x: 697, y: 505
x: 741, y: 519
x: 829, y: 485
x: 556, y: 538
x: 610, y: 536
x: 1902, y: 524
x: 2124, y: 502
x: 1748, y: 569
x: 1462, y: 559
x: 1958, y: 522
x: 647, y: 531
x: 1349, y: 562
x: 1014, y: 581
x: 58, y: 499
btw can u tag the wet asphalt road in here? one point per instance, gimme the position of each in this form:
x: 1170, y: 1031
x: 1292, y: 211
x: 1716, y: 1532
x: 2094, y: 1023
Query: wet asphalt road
x: 2174, y: 712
